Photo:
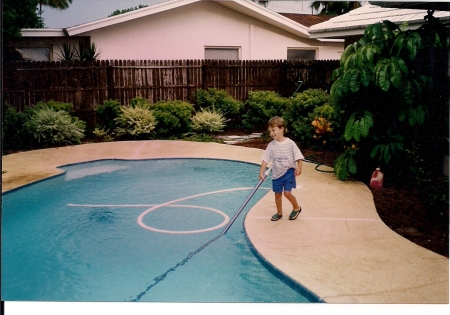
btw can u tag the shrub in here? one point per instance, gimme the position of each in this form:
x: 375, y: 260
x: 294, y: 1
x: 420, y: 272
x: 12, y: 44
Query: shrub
x: 390, y: 92
x: 304, y: 108
x: 14, y: 134
x: 50, y: 126
x: 136, y: 122
x: 107, y: 113
x: 260, y: 107
x: 140, y: 102
x: 219, y: 100
x: 57, y: 106
x: 103, y: 135
x: 174, y: 118
x: 208, y: 120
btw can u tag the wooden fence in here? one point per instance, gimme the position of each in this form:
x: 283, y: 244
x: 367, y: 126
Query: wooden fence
x: 87, y: 85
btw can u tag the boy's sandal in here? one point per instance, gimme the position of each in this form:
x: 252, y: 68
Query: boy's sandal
x: 276, y: 217
x: 294, y: 214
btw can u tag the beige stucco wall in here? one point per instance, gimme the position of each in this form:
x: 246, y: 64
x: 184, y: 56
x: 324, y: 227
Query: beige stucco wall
x: 183, y: 33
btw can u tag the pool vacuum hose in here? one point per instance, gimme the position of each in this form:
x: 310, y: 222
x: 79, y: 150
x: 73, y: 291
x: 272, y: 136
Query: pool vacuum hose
x: 246, y: 201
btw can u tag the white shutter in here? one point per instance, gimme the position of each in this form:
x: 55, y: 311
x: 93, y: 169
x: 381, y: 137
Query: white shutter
x: 222, y: 53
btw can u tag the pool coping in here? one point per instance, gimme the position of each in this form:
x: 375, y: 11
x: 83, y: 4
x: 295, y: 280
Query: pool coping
x: 338, y: 248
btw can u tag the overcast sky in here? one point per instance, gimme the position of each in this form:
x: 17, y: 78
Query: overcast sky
x: 83, y: 11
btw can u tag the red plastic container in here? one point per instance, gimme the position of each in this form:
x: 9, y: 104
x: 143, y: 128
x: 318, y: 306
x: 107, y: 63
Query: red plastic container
x: 376, y: 182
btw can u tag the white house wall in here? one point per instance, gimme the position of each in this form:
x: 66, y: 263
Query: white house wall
x: 183, y: 33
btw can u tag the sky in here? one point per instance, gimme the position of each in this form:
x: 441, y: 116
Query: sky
x: 83, y: 11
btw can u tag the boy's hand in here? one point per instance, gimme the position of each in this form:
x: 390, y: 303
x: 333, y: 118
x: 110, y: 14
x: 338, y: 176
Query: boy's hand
x: 261, y: 176
x: 298, y: 171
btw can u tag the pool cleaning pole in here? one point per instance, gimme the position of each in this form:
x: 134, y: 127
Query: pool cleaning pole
x: 246, y: 201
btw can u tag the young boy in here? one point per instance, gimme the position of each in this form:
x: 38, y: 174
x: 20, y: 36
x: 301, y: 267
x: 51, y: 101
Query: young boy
x: 286, y: 161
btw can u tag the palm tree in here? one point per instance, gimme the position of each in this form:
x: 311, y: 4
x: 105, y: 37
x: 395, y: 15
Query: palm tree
x: 334, y: 7
x: 56, y: 4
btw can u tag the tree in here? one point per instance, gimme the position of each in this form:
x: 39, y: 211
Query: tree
x: 56, y: 4
x: 390, y: 93
x: 334, y: 7
x: 117, y: 12
x: 18, y: 15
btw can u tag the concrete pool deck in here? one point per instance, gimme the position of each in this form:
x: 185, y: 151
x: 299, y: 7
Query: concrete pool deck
x: 338, y: 248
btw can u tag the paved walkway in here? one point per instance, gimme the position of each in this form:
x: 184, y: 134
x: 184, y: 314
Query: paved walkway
x: 338, y: 247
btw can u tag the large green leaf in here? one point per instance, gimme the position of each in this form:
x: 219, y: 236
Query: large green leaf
x: 363, y: 127
x: 398, y: 44
x: 395, y: 73
x: 335, y: 74
x: 407, y: 92
x: 347, y: 51
x: 340, y: 166
x: 412, y: 48
x: 354, y: 80
x: 375, y: 151
x: 350, y: 62
x: 346, y: 81
x: 386, y: 154
x: 368, y: 116
x: 366, y: 75
x: 383, y: 78
x: 401, y: 63
x: 352, y: 167
x: 356, y: 132
x: 348, y: 128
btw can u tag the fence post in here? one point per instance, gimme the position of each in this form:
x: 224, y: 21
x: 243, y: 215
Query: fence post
x: 204, y: 77
x: 110, y: 80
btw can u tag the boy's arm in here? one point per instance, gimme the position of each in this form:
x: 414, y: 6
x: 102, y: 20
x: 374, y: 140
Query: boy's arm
x: 298, y: 170
x: 262, y: 170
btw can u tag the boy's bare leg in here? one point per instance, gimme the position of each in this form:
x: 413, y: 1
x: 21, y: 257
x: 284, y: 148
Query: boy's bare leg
x: 278, y: 202
x: 292, y: 200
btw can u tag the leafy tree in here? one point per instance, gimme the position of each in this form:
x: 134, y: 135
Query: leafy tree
x: 334, y: 7
x: 390, y: 95
x: 117, y: 12
x: 18, y: 15
x: 56, y: 4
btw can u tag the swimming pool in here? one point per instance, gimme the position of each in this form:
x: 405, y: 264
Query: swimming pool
x: 117, y: 230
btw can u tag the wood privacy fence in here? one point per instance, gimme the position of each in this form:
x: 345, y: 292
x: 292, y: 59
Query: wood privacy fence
x: 86, y: 85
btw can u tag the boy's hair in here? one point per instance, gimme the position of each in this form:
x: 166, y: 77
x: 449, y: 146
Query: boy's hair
x: 277, y: 121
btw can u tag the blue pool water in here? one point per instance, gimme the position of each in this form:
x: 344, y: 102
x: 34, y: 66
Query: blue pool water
x: 118, y: 230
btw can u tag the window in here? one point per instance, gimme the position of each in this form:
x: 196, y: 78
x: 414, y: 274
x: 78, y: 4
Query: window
x: 297, y: 53
x: 36, y: 53
x: 222, y: 53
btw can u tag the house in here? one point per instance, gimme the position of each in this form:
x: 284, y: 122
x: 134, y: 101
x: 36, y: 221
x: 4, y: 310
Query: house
x: 187, y: 29
x: 351, y: 26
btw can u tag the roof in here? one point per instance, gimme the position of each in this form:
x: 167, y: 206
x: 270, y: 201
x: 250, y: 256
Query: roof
x: 427, y: 5
x: 307, y: 19
x: 245, y: 7
x: 356, y: 21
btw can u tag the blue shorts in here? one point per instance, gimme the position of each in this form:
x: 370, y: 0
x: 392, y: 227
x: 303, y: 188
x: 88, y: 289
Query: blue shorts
x: 286, y: 182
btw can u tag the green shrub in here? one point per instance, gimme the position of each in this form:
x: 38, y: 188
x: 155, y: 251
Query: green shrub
x: 208, y: 120
x: 14, y: 134
x: 174, y: 118
x: 303, y: 109
x: 103, y: 135
x: 57, y: 106
x: 221, y: 101
x: 140, y: 102
x: 49, y: 126
x: 260, y: 107
x: 107, y: 113
x: 135, y: 122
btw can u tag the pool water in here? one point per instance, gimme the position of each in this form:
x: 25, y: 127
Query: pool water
x: 116, y: 230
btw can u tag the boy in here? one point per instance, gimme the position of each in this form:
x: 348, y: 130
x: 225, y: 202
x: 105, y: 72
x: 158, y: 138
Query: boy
x: 286, y: 161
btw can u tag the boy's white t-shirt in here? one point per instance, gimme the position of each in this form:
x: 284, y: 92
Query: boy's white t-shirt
x: 283, y: 156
